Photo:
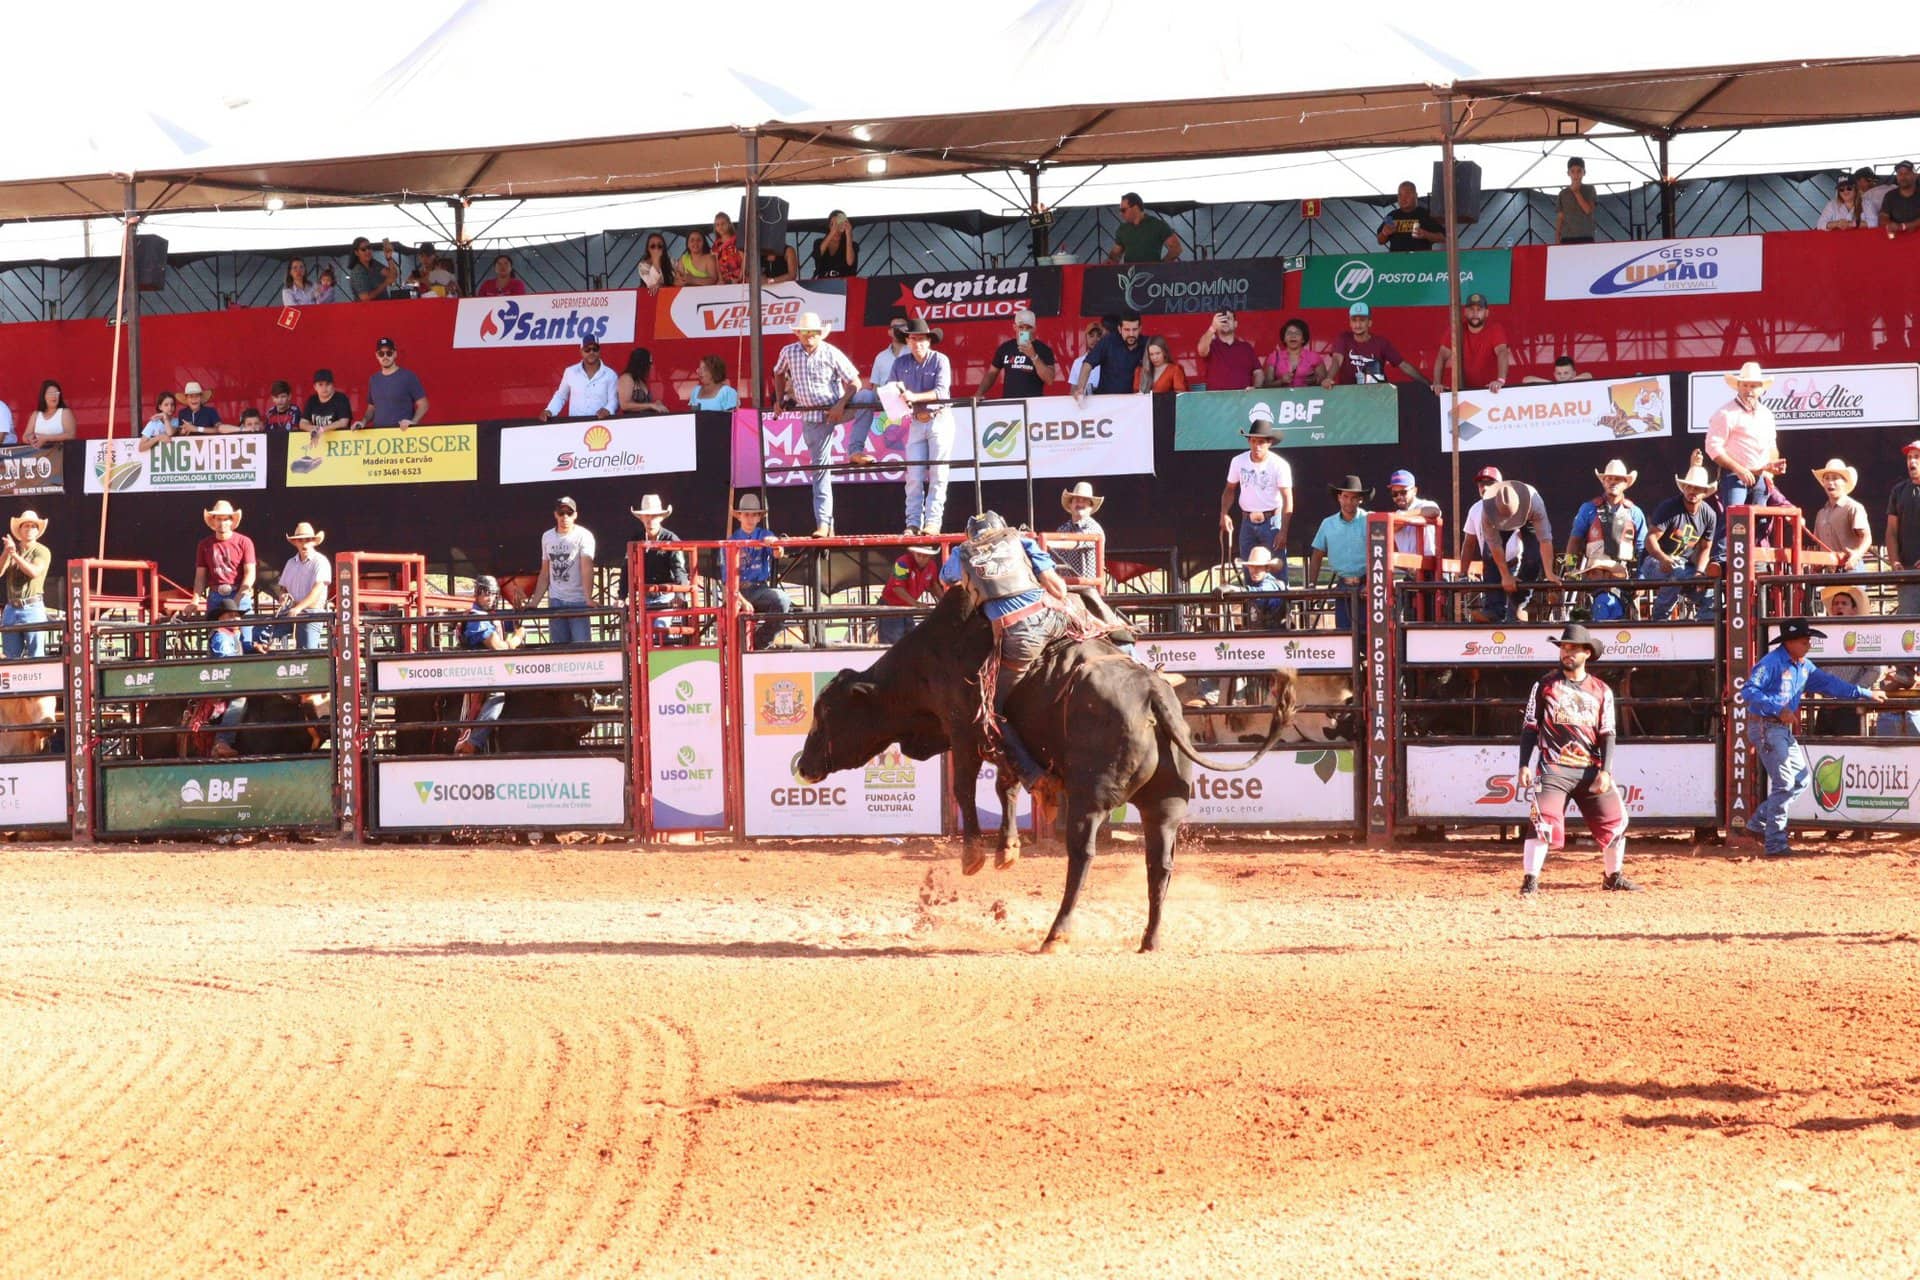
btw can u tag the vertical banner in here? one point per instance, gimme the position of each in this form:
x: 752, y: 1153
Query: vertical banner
x: 1740, y: 660
x: 1378, y: 747
x: 686, y: 738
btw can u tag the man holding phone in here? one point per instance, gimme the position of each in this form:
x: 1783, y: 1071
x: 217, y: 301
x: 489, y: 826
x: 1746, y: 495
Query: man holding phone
x: 367, y: 280
x: 1027, y: 362
x: 1229, y: 362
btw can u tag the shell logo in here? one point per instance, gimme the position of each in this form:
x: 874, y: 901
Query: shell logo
x: 1499, y: 637
x: 1622, y: 637
x: 597, y: 438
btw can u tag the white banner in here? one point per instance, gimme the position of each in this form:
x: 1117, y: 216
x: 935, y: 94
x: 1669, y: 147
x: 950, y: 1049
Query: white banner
x: 48, y: 676
x: 190, y: 463
x: 1849, y: 395
x: 890, y: 795
x: 720, y: 310
x: 1522, y: 645
x: 1862, y: 642
x: 1254, y: 655
x: 1644, y: 268
x: 544, y: 319
x: 1670, y: 780
x: 33, y: 794
x: 1596, y: 412
x: 523, y: 669
x: 653, y: 445
x: 1861, y: 786
x: 686, y: 740
x: 561, y: 792
x: 1312, y: 785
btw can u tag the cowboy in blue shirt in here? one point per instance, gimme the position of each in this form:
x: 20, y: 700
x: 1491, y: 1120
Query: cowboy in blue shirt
x: 1773, y: 691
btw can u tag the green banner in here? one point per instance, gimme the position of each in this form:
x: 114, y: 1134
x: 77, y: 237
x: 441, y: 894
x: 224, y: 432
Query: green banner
x: 271, y: 673
x: 232, y: 795
x: 1306, y: 419
x: 1403, y: 279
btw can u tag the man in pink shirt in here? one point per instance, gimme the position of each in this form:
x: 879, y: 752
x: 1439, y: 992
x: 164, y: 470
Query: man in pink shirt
x: 1742, y: 439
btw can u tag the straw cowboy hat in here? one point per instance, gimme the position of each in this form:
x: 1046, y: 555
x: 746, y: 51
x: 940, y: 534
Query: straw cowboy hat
x: 221, y: 508
x: 1836, y: 467
x: 1081, y: 490
x: 1696, y: 478
x: 1749, y: 373
x: 1855, y: 592
x: 749, y: 503
x: 1600, y: 565
x: 650, y: 506
x: 34, y: 518
x: 1257, y: 557
x: 1617, y: 470
x: 1577, y: 634
x: 304, y: 532
x: 810, y: 322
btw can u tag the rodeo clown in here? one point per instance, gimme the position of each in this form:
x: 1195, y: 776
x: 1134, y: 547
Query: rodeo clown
x: 1570, y: 718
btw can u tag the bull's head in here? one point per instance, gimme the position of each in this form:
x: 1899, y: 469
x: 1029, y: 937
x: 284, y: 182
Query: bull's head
x: 853, y: 722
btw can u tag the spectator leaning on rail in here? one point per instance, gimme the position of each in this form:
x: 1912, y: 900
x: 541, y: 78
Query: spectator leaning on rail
x: 566, y: 574
x: 1361, y: 358
x: 1261, y: 481
x: 1413, y: 539
x: 1142, y: 237
x: 1095, y: 331
x: 588, y: 389
x: 1508, y: 509
x: 307, y: 579
x: 656, y: 268
x: 329, y: 290
x: 502, y: 283
x: 1900, y: 205
x: 164, y: 424
x: 1841, y: 525
x: 1078, y: 560
x: 1903, y: 528
x: 1227, y: 361
x: 1027, y: 362
x: 480, y: 631
x: 635, y: 390
x: 395, y: 397
x: 660, y: 566
x: 1742, y: 440
x: 713, y: 394
x: 1872, y: 192
x: 1847, y: 211
x: 1159, y: 372
x: 924, y: 378
x: 915, y: 577
x: 326, y: 408
x: 198, y: 417
x: 297, y: 290
x: 224, y: 569
x: 1573, y: 224
x: 1679, y: 539
x: 1409, y: 227
x: 1773, y: 692
x: 1115, y: 359
x: 1564, y: 370
x: 1341, y: 543
x: 25, y: 560
x: 759, y: 593
x: 1484, y: 344
x: 697, y: 264
x: 814, y: 379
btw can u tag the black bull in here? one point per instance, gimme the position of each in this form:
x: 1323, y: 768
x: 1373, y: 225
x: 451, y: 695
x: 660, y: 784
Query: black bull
x: 1111, y: 728
x: 275, y: 724
x: 430, y: 724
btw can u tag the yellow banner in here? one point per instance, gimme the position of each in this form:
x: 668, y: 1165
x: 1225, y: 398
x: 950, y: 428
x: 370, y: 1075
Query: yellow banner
x: 384, y: 455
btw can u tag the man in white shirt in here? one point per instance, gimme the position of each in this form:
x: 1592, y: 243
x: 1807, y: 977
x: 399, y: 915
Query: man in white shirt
x: 1262, y: 482
x: 566, y: 574
x: 587, y: 390
x: 1508, y: 508
x: 307, y: 579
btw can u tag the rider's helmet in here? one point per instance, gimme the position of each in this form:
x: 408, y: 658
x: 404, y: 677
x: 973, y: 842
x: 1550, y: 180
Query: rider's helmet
x: 486, y: 585
x: 985, y: 522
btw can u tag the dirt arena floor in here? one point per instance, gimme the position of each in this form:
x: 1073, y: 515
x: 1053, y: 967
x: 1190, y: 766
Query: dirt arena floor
x: 596, y: 1061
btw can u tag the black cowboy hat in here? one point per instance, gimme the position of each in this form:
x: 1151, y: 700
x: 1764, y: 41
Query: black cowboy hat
x: 1351, y: 484
x: 1797, y: 629
x: 1574, y: 633
x: 919, y: 325
x: 1261, y: 429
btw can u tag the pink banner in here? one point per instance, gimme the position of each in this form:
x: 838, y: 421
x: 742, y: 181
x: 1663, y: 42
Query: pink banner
x: 786, y: 447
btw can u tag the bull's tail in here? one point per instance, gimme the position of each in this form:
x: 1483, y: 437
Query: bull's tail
x: 1167, y: 707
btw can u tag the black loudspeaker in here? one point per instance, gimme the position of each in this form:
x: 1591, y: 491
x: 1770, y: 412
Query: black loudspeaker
x: 150, y: 262
x: 1466, y: 176
x: 773, y: 221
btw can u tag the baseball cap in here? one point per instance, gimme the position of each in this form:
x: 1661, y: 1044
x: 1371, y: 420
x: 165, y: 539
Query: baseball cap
x: 1400, y: 480
x: 588, y: 342
x: 385, y: 342
x: 568, y: 503
x: 1911, y: 446
x: 1475, y: 300
x: 1904, y: 164
x: 1023, y: 316
x: 1359, y: 309
x: 323, y: 375
x: 1489, y: 473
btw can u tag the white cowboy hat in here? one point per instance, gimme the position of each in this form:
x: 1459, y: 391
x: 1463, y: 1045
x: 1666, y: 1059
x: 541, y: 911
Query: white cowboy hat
x: 1081, y: 490
x: 1617, y: 470
x: 1258, y: 556
x: 304, y: 532
x: 1749, y: 372
x: 650, y: 506
x: 221, y: 508
x: 1599, y: 565
x: 749, y: 503
x: 924, y: 551
x: 1836, y: 467
x: 810, y: 322
x: 1696, y: 478
x: 193, y: 389
x: 1858, y: 594
x: 27, y: 517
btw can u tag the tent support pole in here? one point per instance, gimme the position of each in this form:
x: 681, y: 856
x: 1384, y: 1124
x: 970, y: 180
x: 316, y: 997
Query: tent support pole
x: 1041, y: 231
x: 462, y: 251
x: 1453, y: 307
x: 1666, y: 193
x: 751, y: 232
x: 133, y: 326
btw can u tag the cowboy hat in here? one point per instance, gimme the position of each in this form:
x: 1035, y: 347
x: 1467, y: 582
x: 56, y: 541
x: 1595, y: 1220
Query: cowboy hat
x: 221, y: 508
x: 1351, y: 484
x: 1259, y: 556
x: 304, y: 532
x: 1512, y: 505
x: 193, y: 389
x: 1081, y: 490
x: 1797, y: 629
x: 750, y: 503
x: 1749, y: 372
x: 918, y: 326
x: 1574, y: 633
x: 1600, y: 565
x: 810, y: 322
x: 27, y: 517
x: 1696, y: 478
x: 1261, y: 428
x: 1836, y: 467
x: 924, y: 551
x: 1853, y: 590
x: 1617, y: 470
x: 650, y: 506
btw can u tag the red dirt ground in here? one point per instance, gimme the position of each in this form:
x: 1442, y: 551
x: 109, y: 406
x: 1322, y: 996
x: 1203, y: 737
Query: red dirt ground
x: 754, y: 1061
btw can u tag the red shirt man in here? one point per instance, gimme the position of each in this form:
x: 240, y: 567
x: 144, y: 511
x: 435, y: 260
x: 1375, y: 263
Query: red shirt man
x: 1227, y: 359
x: 1484, y: 343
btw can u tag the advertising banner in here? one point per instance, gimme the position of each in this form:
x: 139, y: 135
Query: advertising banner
x: 33, y: 793
x: 1652, y: 268
x: 944, y: 297
x: 188, y: 464
x: 233, y: 796
x: 1308, y: 786
x: 1864, y: 641
x: 654, y: 445
x: 1849, y: 395
x: 1307, y: 418
x: 687, y: 740
x: 1250, y: 655
x: 1184, y: 288
x: 271, y: 674
x: 1596, y: 412
x: 1403, y: 279
x: 1526, y: 646
x: 485, y: 669
x: 1861, y: 786
x: 385, y: 455
x: 720, y: 310
x: 1672, y: 780
x: 890, y: 795
x: 32, y: 677
x: 26, y: 470
x: 568, y: 793
x: 1107, y: 436
x: 545, y: 319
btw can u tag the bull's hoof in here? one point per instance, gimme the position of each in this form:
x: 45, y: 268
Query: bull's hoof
x: 973, y: 861
x: 1006, y: 856
x: 1055, y: 942
x: 1149, y: 943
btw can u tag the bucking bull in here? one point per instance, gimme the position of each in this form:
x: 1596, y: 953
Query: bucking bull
x: 1111, y: 728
